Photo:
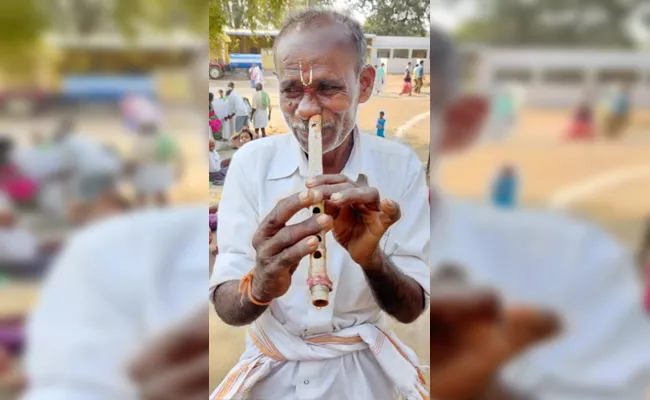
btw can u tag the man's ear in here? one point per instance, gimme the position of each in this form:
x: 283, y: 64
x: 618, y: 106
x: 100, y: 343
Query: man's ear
x: 367, y: 81
x: 461, y: 123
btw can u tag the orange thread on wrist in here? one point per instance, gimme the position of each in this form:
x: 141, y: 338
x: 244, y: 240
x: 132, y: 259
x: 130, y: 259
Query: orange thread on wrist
x: 246, y: 288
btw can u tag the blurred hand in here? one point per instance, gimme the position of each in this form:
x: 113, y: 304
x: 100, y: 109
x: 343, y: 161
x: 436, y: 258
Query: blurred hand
x: 360, y: 217
x: 176, y: 366
x: 473, y: 337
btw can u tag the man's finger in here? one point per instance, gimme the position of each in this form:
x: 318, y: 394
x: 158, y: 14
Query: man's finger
x: 461, y: 303
x: 292, y: 234
x: 328, y: 190
x: 330, y: 179
x: 526, y: 327
x: 291, y: 256
x: 366, y: 196
x: 391, y: 212
x: 187, y: 339
x: 285, y: 209
x: 181, y: 381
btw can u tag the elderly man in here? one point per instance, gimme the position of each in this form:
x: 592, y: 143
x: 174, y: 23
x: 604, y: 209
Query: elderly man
x: 377, y: 247
x: 546, y: 259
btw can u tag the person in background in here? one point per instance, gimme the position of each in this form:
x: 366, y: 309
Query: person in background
x: 380, y: 79
x: 214, y: 121
x: 406, y: 86
x: 157, y: 162
x: 221, y: 96
x: 258, y: 75
x: 505, y: 188
x: 242, y: 138
x: 261, y: 110
x: 381, y: 125
x: 582, y: 124
x: 418, y: 72
x: 238, y: 112
x: 220, y: 106
x: 408, y: 67
x: 618, y: 117
x: 217, y: 170
x: 17, y: 244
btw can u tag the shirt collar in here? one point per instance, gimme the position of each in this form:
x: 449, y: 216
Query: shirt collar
x: 290, y: 158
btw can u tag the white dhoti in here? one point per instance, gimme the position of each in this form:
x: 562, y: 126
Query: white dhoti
x: 360, y: 362
x: 379, y: 86
x: 150, y: 179
x: 260, y: 119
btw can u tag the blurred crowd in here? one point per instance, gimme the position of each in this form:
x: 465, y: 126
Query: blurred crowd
x: 64, y: 179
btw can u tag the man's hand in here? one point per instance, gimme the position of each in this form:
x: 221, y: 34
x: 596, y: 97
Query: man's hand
x: 176, y: 366
x: 472, y: 338
x: 280, y: 247
x: 360, y: 217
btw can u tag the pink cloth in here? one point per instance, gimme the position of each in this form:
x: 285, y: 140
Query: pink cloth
x: 406, y: 88
x: 19, y: 188
x: 215, y: 125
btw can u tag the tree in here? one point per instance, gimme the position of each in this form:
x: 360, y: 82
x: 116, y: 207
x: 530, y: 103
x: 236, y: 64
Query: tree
x: 577, y: 23
x: 395, y: 17
x: 23, y: 23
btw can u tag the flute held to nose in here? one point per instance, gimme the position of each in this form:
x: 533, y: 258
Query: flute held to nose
x: 319, y: 283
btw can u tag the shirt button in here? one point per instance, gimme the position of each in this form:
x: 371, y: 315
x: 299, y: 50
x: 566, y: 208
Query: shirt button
x: 306, y: 382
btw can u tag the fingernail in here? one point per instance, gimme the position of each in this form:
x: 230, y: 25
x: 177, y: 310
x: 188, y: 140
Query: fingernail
x: 312, y: 241
x: 390, y: 203
x: 303, y: 195
x: 336, y: 196
x: 310, y: 182
x: 323, y: 220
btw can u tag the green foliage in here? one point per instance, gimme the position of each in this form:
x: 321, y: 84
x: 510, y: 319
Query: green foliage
x: 577, y: 23
x: 396, y: 17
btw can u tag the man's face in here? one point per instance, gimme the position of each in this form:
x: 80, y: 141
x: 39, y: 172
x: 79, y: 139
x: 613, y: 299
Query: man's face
x: 336, y: 89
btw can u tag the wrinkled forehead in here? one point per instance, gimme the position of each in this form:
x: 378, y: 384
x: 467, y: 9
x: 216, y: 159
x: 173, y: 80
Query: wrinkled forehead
x: 327, y: 47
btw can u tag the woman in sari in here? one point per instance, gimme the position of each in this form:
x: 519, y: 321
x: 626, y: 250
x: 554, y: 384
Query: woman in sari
x: 407, y: 88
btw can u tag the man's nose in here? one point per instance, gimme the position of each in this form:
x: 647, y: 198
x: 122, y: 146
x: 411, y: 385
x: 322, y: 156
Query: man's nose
x: 308, y: 107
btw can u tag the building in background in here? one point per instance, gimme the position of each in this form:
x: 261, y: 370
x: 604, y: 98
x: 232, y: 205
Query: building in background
x: 558, y: 77
x: 396, y: 51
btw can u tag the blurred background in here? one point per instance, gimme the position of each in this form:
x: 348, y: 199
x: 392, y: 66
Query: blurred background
x: 98, y: 99
x: 569, y: 85
x: 242, y: 36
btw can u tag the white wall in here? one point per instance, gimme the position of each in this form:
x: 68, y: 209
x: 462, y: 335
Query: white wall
x: 396, y: 65
x: 589, y: 62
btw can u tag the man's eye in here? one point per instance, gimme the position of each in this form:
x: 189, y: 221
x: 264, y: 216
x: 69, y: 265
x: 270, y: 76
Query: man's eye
x: 291, y: 90
x: 329, y: 88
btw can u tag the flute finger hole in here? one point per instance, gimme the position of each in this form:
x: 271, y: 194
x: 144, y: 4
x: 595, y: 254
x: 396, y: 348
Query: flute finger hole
x: 318, y: 254
x: 316, y: 210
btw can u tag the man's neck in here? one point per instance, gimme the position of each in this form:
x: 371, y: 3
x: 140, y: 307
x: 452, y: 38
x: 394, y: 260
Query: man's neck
x: 335, y: 160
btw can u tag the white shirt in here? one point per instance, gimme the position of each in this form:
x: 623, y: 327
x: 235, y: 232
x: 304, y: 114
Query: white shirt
x: 237, y: 105
x: 17, y: 244
x: 115, y: 286
x: 86, y: 156
x: 266, y: 170
x: 215, y: 161
x: 549, y: 259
